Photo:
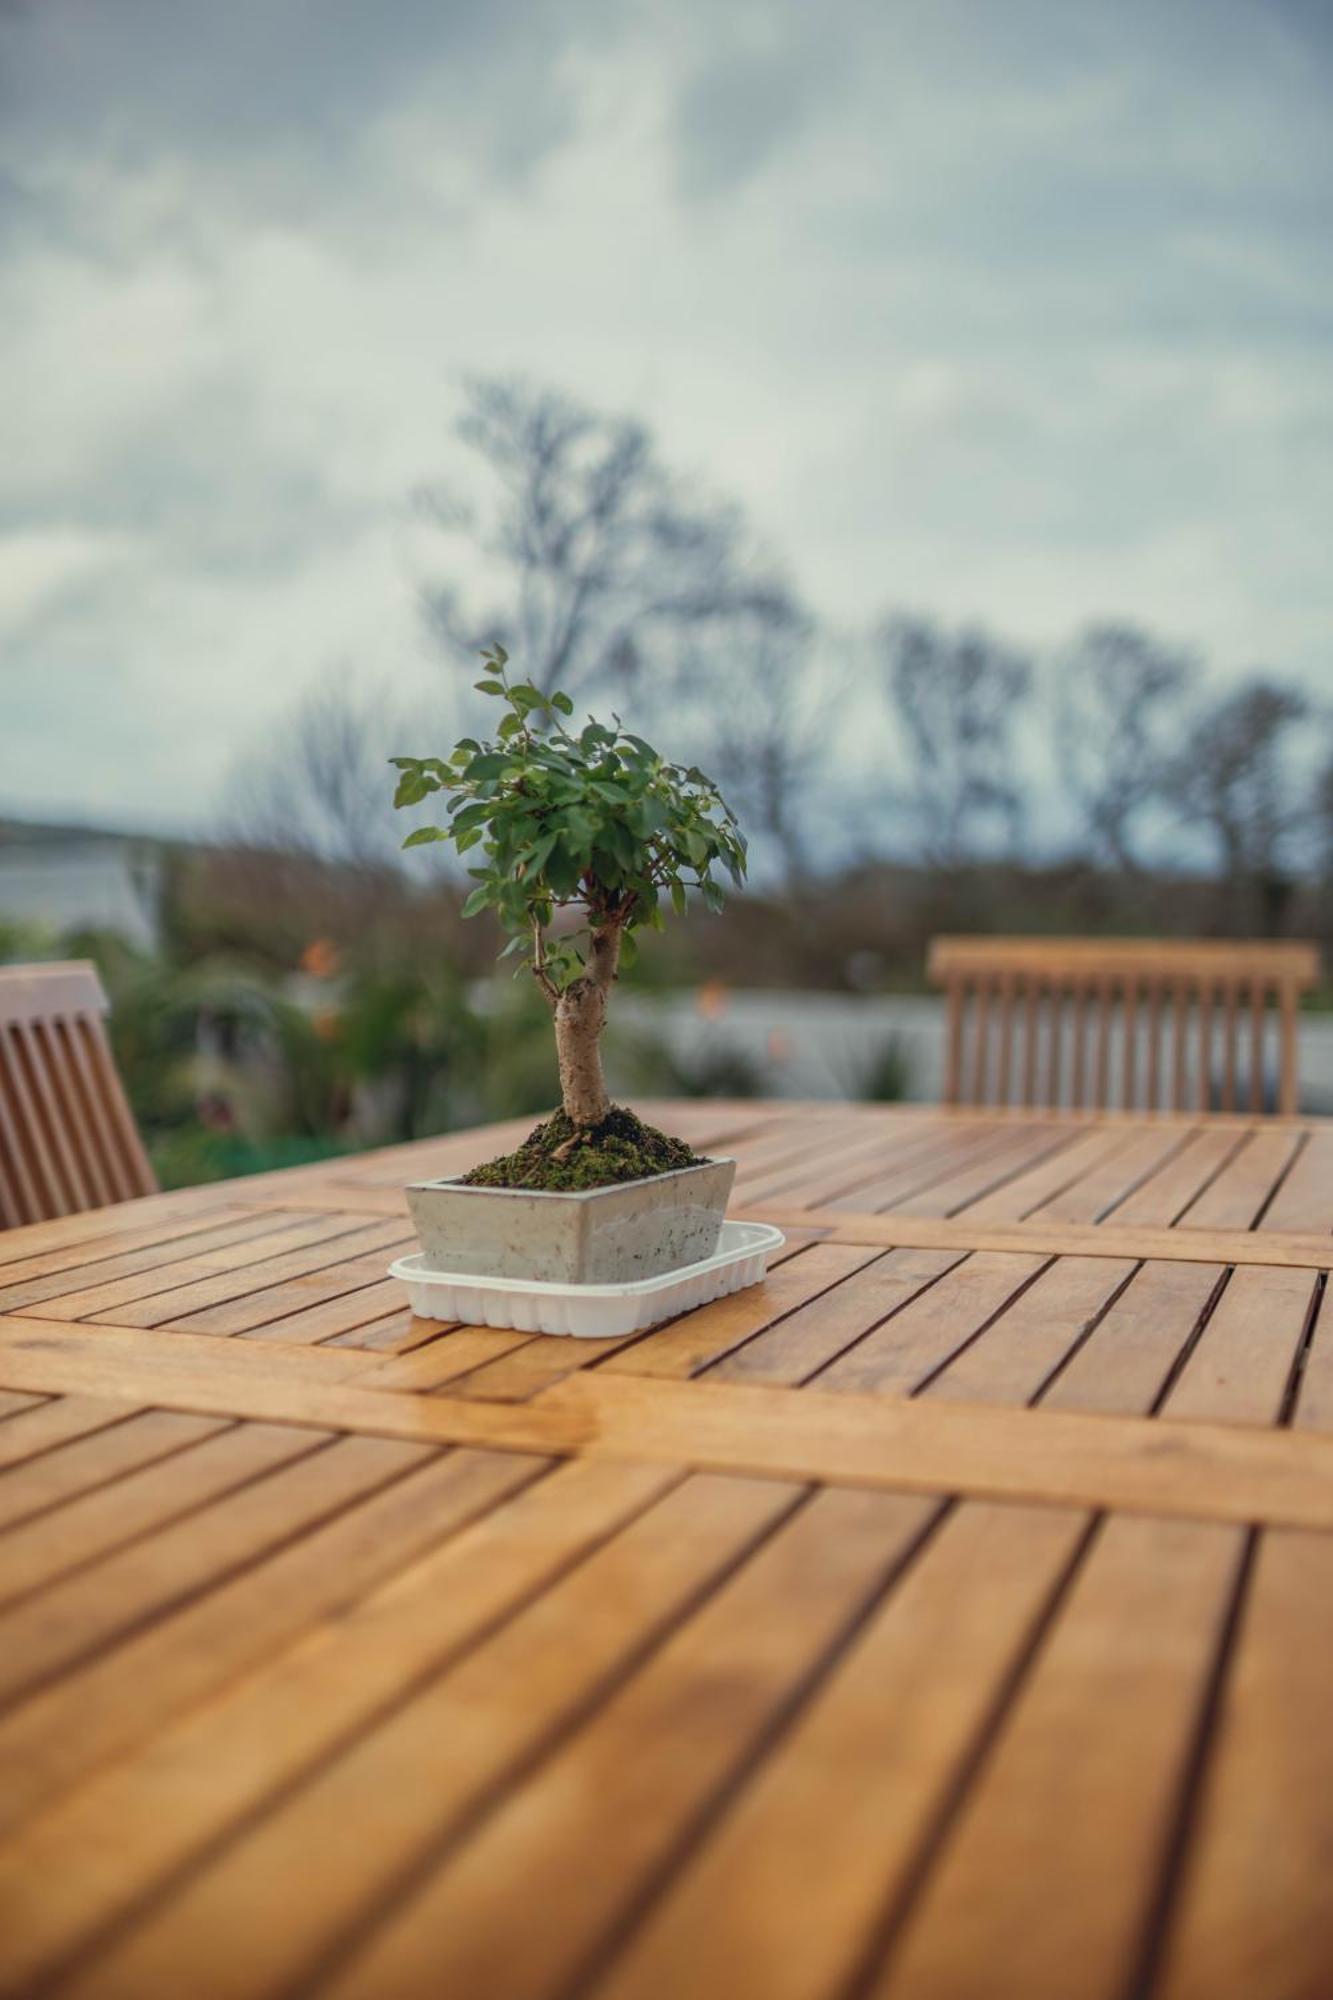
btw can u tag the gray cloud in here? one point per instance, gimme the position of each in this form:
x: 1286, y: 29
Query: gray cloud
x: 1012, y: 311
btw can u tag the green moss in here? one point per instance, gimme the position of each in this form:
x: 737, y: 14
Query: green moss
x: 621, y: 1148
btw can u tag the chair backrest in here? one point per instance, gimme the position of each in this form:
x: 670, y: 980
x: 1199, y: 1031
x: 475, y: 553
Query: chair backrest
x: 67, y: 1135
x: 1121, y: 1023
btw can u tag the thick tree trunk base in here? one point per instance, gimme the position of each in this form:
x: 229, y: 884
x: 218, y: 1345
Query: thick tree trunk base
x: 580, y: 1015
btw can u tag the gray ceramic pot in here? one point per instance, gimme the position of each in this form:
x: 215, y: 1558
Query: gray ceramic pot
x: 605, y: 1236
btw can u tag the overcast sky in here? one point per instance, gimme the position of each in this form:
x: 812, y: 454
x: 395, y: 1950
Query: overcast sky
x: 1002, y: 310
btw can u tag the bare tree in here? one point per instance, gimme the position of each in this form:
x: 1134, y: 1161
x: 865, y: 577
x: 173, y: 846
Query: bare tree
x: 768, y: 729
x: 612, y: 579
x: 1119, y: 720
x: 1237, y: 783
x: 605, y: 566
x: 315, y: 786
x: 958, y: 697
x: 307, y: 846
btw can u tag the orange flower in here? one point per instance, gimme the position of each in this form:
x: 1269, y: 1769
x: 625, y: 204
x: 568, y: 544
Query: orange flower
x: 320, y: 958
x: 712, y: 998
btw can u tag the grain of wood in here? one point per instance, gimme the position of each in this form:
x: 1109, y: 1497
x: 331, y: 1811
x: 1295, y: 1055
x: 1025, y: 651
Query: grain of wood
x: 131, y: 1294
x: 1097, y: 1193
x: 142, y: 1502
x: 92, y: 1462
x: 1023, y: 1148
x: 456, y: 1352
x: 1314, y: 1392
x: 962, y: 1144
x: 1222, y: 1472
x: 785, y: 1895
x: 418, y: 1770
x: 1241, y: 1191
x: 588, y: 1832
x: 1164, y: 1196
x: 1253, y: 1914
x: 348, y: 1313
x: 108, y: 1352
x: 1018, y: 1197
x: 62, y: 1736
x: 1013, y: 1359
x: 335, y: 1284
x: 1281, y: 1250
x: 1305, y: 1199
x: 700, y: 1338
x: 304, y: 1726
x: 528, y: 1367
x: 898, y: 1355
x: 805, y: 1341
x: 1193, y: 1470
x: 65, y: 1271
x: 338, y: 1239
x: 1052, y: 1867
x: 47, y: 1635
x: 1127, y: 1360
x: 105, y: 1231
x: 49, y: 1424
x: 218, y: 1763
x: 1241, y: 1368
x: 822, y: 1171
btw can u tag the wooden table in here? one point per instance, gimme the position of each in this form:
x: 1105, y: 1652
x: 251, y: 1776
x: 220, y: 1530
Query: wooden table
x: 950, y: 1616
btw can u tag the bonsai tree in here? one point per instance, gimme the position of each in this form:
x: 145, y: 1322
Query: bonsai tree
x: 580, y: 841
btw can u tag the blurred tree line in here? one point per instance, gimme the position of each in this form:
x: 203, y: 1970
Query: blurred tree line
x: 961, y: 778
x: 317, y: 989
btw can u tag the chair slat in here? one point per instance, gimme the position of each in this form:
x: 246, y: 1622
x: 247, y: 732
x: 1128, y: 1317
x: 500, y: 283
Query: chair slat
x: 68, y: 1140
x: 1054, y: 1028
x: 1129, y: 1065
x: 981, y: 1041
x: 1154, y: 1042
x: 1229, y: 1046
x: 1257, y: 1010
x: 1030, y: 1044
x: 1203, y: 1074
x: 1005, y: 1062
x: 1110, y: 1001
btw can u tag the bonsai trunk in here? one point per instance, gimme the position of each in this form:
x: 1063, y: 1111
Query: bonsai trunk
x: 580, y: 1016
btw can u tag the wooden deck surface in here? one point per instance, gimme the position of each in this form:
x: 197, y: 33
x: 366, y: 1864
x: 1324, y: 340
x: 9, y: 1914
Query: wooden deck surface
x: 949, y: 1617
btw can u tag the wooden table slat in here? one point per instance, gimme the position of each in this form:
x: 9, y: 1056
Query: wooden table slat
x: 957, y: 1598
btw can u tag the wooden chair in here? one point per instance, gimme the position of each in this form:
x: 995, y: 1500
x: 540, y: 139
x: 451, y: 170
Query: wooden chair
x: 67, y: 1135
x: 1127, y: 1023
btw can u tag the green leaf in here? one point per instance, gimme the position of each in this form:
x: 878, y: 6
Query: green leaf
x: 680, y: 902
x: 478, y: 900
x: 563, y: 703
x: 413, y: 788
x: 489, y: 687
x: 475, y: 814
x: 425, y: 836
x: 533, y: 859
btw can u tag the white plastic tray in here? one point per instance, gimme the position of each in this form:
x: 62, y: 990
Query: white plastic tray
x: 591, y: 1312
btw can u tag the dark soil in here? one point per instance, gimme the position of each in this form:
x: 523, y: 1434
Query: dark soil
x: 621, y: 1148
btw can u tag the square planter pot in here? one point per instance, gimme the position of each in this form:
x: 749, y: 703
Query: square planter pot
x: 601, y: 1236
